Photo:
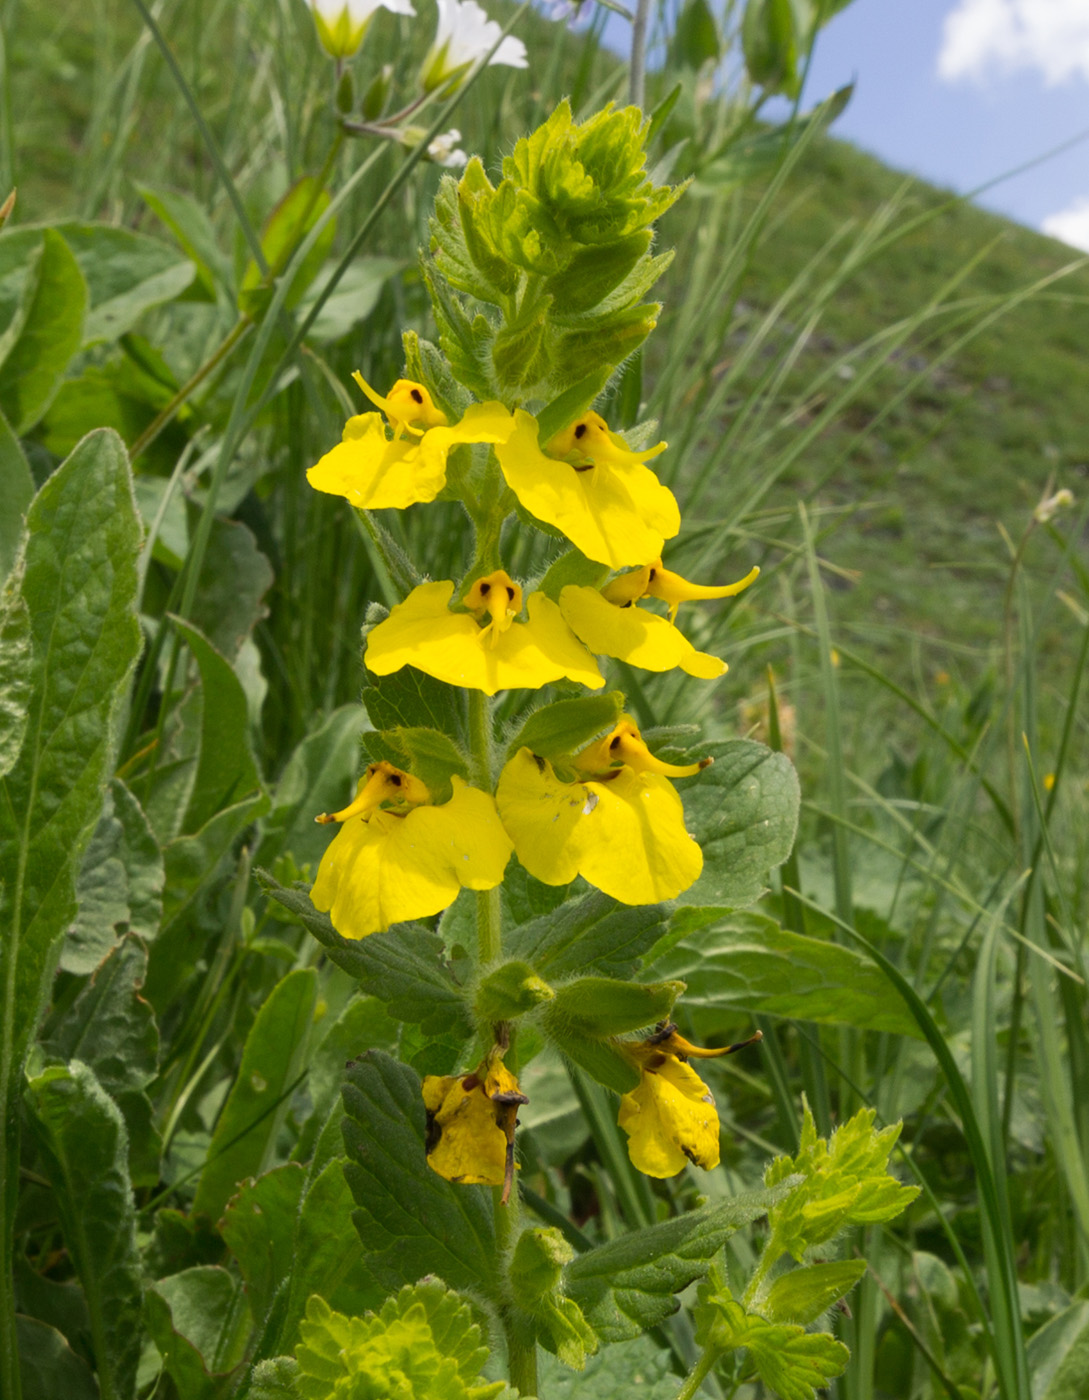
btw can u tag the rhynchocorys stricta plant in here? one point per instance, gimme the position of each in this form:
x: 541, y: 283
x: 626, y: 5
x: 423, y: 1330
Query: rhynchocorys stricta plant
x: 526, y: 859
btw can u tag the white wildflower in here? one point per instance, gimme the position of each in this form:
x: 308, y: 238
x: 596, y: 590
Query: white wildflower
x: 465, y: 33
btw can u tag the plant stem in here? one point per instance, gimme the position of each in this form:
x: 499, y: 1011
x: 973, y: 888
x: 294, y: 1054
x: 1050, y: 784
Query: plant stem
x: 637, y: 79
x: 699, y: 1375
x: 489, y: 923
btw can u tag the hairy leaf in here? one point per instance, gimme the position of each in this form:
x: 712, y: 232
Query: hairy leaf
x: 199, y: 1321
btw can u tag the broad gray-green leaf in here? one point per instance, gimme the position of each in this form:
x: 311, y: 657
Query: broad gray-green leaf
x: 635, y: 1370
x: 746, y: 962
x: 364, y: 1024
x: 411, y: 1221
x: 190, y: 862
x: 259, y: 1228
x: 200, y: 1322
x: 1058, y: 1355
x: 743, y: 811
x: 16, y: 664
x: 562, y: 728
x: 79, y: 588
x: 187, y: 220
x: 274, y: 1379
x: 127, y: 273
x: 49, y: 334
x: 273, y: 1059
x: 119, y: 886
x: 85, y: 1151
x: 317, y: 778
x: 16, y: 493
x: 589, y: 934
x: 48, y: 1367
x: 226, y: 771
x: 629, y: 1285
x: 112, y: 1028
x: 412, y: 699
x: 355, y: 297
x: 802, y: 1294
x: 234, y: 579
x: 402, y: 967
x: 604, y: 1006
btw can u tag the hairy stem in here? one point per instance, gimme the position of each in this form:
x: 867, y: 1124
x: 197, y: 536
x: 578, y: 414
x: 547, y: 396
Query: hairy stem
x: 699, y: 1375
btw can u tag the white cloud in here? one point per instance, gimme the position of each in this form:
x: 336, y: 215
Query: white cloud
x: 981, y: 36
x: 1070, y: 225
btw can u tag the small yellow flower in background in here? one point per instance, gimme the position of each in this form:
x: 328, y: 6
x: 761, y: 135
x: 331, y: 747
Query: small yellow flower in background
x: 471, y: 1120
x: 398, y: 857
x: 592, y: 486
x: 342, y: 24
x: 1049, y: 781
x: 610, y: 624
x: 375, y: 472
x: 461, y: 648
x: 622, y: 828
x: 670, y: 1119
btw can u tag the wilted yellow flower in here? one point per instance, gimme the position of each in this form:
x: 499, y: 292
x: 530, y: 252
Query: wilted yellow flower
x: 622, y: 828
x: 471, y: 1120
x: 398, y: 857
x: 590, y: 484
x: 376, y: 472
x: 460, y: 648
x: 670, y: 1118
x: 610, y: 624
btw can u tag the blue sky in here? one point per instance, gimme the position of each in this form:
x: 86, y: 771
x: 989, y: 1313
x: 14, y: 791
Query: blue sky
x: 963, y: 91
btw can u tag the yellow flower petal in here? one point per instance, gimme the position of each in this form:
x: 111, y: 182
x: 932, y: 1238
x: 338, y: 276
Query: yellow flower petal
x: 625, y: 833
x: 452, y: 647
x: 376, y: 473
x: 470, y: 1125
x: 614, y: 508
x: 388, y: 868
x: 670, y: 1119
x: 633, y: 634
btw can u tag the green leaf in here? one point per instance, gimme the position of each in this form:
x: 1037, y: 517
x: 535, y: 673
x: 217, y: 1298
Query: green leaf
x: 770, y: 45
x: 48, y: 1367
x: 364, y: 1024
x: 16, y: 493
x: 602, y: 1006
x: 190, y: 862
x: 846, y: 1182
x: 599, y: 1058
x: 791, y: 1362
x: 356, y: 296
x: 410, y: 1220
x: 186, y: 218
x: 592, y: 933
x: 111, y: 1028
x: 78, y: 589
x: 126, y: 273
x: 803, y: 1294
x: 430, y: 754
x: 536, y: 1273
x: 273, y: 1059
x: 746, y: 962
x: 85, y: 1151
x: 119, y: 886
x: 629, y: 1285
x: 259, y: 1228
x: 403, y: 967
x: 200, y: 1322
x: 274, y: 1379
x: 1058, y: 1354
x: 315, y: 779
x: 423, y: 1342
x: 573, y: 567
x: 234, y: 579
x: 226, y: 772
x: 558, y: 730
x: 410, y: 699
x: 16, y: 667
x: 743, y: 811
x: 48, y: 333
x: 286, y: 227
x: 695, y: 39
x: 508, y: 991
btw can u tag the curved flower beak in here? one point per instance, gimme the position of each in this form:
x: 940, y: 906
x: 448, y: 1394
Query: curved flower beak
x: 592, y: 486
x: 407, y: 405
x: 502, y: 655
x: 471, y: 1120
x: 389, y: 865
x: 654, y: 581
x: 623, y: 832
x: 624, y: 745
x: 382, y: 783
x: 670, y: 1117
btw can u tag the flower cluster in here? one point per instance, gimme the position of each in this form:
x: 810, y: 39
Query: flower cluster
x: 464, y: 34
x: 586, y: 798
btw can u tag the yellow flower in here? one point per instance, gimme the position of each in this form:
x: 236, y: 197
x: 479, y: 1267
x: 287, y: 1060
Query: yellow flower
x: 670, y: 1118
x: 471, y: 1120
x: 398, y: 857
x: 461, y: 649
x: 622, y: 828
x: 376, y: 472
x: 592, y: 486
x: 610, y: 624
